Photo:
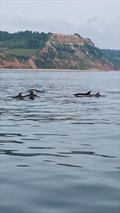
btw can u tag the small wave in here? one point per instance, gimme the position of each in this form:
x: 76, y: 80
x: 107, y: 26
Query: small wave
x: 85, y: 144
x: 118, y: 167
x: 11, y: 141
x: 14, y: 153
x: 69, y: 165
x: 31, y: 139
x: 91, y: 123
x: 7, y: 134
x: 23, y: 165
x: 40, y: 147
x: 86, y: 153
x: 50, y: 134
x: 85, y: 123
x: 48, y: 161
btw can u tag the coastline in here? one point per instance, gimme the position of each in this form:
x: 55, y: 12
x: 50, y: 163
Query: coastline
x: 57, y: 70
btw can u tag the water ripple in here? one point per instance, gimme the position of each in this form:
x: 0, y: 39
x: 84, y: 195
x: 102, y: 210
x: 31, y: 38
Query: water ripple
x: 69, y: 165
x: 86, y: 153
x: 59, y: 153
x: 13, y: 153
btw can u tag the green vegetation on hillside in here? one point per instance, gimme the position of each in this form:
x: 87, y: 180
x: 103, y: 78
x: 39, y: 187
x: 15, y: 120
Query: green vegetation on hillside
x: 92, y: 51
x: 25, y: 40
x: 21, y: 52
x: 113, y: 56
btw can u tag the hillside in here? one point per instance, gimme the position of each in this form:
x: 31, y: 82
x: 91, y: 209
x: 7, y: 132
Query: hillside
x: 54, y: 51
x: 113, y: 56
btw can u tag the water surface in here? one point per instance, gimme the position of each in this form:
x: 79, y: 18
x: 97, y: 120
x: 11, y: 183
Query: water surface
x: 59, y: 153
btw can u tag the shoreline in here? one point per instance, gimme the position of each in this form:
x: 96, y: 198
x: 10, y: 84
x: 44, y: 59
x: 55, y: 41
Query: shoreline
x: 58, y: 70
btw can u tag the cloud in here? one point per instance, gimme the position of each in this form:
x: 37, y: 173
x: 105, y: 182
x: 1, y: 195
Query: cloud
x: 104, y: 33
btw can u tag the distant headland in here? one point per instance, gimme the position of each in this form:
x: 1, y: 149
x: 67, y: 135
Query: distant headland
x: 34, y: 50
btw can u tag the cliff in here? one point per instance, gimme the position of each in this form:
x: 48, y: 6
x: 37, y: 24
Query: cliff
x: 33, y: 50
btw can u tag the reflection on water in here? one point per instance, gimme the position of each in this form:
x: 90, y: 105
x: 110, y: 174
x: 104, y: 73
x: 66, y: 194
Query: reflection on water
x: 59, y: 153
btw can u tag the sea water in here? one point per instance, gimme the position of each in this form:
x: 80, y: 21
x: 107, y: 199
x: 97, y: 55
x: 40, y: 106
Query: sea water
x: 59, y: 153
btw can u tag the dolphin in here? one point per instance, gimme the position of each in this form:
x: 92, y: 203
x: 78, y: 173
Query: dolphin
x: 31, y: 95
x: 82, y: 94
x: 88, y: 94
x: 19, y: 96
x: 97, y: 95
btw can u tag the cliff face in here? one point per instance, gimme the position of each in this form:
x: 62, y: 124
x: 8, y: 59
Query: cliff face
x: 71, y: 52
x: 58, y: 52
x: 14, y: 63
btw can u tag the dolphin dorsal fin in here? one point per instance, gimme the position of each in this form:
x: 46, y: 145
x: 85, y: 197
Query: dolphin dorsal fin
x: 88, y: 93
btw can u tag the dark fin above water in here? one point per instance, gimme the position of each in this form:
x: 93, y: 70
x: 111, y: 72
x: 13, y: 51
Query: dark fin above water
x: 97, y: 94
x: 19, y: 96
x: 88, y: 93
x: 82, y: 94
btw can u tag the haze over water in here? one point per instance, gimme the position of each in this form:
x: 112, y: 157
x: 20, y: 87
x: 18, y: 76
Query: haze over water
x: 59, y: 153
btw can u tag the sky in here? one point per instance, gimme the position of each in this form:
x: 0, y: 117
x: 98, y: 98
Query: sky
x: 94, y: 19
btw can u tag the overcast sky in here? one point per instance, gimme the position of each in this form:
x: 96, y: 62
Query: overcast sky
x: 94, y: 19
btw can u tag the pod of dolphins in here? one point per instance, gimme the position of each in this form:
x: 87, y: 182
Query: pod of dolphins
x: 32, y: 94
